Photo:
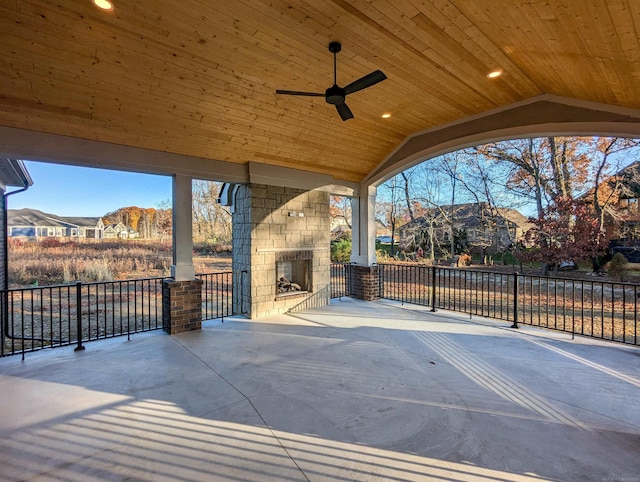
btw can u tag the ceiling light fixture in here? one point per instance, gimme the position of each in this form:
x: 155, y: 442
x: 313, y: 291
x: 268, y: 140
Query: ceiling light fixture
x: 494, y: 74
x: 386, y: 115
x: 104, y: 5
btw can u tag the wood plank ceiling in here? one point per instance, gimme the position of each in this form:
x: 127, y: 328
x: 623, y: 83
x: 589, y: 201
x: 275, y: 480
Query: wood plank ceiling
x: 198, y: 77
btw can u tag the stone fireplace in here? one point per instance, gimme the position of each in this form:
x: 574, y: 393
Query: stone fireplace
x: 279, y: 232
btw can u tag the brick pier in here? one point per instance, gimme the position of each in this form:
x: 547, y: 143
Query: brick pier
x: 181, y: 305
x: 365, y: 282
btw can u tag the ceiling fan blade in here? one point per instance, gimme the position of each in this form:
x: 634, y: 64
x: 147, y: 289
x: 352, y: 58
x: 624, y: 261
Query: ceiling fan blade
x: 344, y: 111
x: 295, y: 92
x: 364, y: 82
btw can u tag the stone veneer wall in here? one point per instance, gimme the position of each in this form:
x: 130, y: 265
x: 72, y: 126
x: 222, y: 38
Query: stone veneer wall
x: 264, y: 228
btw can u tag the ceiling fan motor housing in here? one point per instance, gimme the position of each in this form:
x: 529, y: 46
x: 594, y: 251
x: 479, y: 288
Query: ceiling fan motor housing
x: 335, y: 95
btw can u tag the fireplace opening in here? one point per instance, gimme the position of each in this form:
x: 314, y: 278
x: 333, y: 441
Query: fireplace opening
x: 292, y: 276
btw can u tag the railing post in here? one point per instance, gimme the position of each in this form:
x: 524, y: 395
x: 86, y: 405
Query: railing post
x: 433, y: 289
x: 220, y: 284
x: 80, y: 347
x: 515, y: 300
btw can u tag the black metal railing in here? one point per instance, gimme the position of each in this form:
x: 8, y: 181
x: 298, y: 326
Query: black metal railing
x: 61, y: 315
x: 340, y: 275
x: 482, y: 293
x: 217, y: 295
x: 601, y: 309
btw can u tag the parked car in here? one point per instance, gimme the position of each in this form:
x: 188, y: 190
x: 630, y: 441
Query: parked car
x: 567, y: 265
x: 384, y: 239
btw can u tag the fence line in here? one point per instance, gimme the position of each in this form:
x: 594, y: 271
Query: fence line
x: 51, y: 316
x: 339, y: 275
x: 601, y: 309
x: 61, y: 315
x: 217, y: 295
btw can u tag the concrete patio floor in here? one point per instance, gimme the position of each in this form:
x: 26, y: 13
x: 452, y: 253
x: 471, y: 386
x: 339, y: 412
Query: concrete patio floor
x: 353, y: 391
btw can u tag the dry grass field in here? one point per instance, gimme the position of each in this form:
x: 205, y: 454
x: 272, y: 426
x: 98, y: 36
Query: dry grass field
x: 52, y: 262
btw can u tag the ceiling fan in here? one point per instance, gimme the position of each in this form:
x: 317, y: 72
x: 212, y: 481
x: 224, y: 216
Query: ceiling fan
x: 336, y: 95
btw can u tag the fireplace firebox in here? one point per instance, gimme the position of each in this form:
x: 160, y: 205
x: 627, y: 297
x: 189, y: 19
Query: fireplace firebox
x: 293, y: 272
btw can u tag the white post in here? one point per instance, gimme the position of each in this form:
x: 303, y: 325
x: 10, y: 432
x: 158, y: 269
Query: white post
x: 182, y: 268
x: 363, y: 227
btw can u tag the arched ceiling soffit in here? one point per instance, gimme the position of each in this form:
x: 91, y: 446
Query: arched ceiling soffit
x: 543, y: 115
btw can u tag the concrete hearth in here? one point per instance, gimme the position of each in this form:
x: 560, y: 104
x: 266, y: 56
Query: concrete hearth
x: 272, y: 225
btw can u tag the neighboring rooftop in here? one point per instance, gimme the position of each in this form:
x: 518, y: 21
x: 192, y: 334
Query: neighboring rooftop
x: 34, y: 217
x: 14, y: 173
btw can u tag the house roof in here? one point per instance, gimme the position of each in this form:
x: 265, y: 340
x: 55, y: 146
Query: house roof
x: 468, y: 215
x: 31, y: 217
x: 189, y: 87
x: 34, y: 217
x: 631, y: 178
x: 89, y: 222
x: 626, y: 179
x: 14, y: 173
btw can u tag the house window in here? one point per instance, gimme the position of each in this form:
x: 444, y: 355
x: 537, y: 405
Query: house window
x: 630, y: 204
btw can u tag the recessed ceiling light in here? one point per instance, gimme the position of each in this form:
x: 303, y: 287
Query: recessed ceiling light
x: 386, y: 115
x: 494, y: 74
x: 105, y: 5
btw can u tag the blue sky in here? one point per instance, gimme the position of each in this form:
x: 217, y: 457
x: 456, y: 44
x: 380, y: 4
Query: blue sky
x: 81, y: 191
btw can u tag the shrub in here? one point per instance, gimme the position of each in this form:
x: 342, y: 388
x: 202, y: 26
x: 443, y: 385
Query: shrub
x: 464, y: 260
x: 341, y: 251
x: 617, y: 267
x: 382, y: 256
x: 207, y: 248
x: 224, y: 249
x: 50, y: 243
x: 97, y: 271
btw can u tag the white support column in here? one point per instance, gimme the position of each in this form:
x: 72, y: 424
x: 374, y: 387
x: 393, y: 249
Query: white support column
x: 182, y: 268
x: 363, y: 227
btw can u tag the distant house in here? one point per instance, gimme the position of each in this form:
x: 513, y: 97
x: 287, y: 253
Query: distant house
x: 625, y: 226
x: 81, y: 227
x: 622, y: 224
x: 118, y: 230
x: 476, y: 226
x: 34, y: 224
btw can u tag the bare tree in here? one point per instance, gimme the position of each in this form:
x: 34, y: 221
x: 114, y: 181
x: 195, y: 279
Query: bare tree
x: 211, y: 220
x: 544, y: 168
x: 163, y: 221
x: 406, y: 178
x: 340, y: 209
x: 390, y: 208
